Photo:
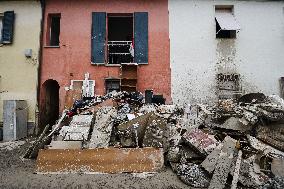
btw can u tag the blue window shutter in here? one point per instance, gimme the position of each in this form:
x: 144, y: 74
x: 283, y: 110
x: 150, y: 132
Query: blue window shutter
x: 98, y: 37
x: 8, y: 25
x: 141, y: 37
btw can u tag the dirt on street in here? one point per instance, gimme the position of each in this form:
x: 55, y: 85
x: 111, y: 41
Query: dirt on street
x: 18, y: 173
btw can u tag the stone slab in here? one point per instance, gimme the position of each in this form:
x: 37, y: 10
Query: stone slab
x: 65, y: 145
x: 223, y: 165
x: 81, y: 121
x: 211, y: 160
x: 203, y: 142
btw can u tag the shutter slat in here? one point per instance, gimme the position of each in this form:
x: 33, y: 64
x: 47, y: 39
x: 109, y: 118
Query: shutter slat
x: 141, y: 37
x: 98, y: 37
x: 8, y: 25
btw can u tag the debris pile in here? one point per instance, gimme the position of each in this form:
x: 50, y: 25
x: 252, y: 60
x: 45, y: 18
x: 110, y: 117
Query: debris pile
x: 231, y: 144
x: 109, y: 128
x: 234, y: 143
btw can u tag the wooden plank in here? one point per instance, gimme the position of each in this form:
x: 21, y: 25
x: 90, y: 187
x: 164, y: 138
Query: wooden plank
x: 104, y: 160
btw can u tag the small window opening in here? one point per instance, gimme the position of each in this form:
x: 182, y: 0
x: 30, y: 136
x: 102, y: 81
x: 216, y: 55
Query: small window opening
x: 120, y: 39
x: 226, y: 24
x: 54, y: 30
x: 112, y: 85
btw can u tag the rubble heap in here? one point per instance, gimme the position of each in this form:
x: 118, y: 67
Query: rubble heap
x: 232, y: 144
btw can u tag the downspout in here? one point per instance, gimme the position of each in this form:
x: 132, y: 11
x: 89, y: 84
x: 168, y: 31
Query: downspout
x: 37, y: 113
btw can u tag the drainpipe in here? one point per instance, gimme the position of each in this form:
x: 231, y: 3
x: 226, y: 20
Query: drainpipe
x: 37, y: 112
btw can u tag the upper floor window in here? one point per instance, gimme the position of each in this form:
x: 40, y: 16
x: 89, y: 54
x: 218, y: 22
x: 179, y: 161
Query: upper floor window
x: 226, y: 24
x: 53, y: 30
x: 6, y: 27
x: 120, y: 38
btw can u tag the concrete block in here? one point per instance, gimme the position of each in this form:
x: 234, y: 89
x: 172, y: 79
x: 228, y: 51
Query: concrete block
x: 277, y: 167
x: 81, y: 121
x: 103, y: 127
x: 233, y: 123
x: 223, y: 165
x: 211, y: 160
x: 203, y: 142
x: 74, y: 133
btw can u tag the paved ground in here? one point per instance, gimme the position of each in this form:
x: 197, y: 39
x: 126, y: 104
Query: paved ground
x: 16, y: 172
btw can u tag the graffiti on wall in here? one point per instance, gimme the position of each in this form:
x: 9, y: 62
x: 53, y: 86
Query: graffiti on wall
x: 228, y: 85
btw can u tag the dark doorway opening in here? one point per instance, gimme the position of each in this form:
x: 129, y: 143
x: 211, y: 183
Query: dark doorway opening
x: 120, y: 38
x: 50, y: 106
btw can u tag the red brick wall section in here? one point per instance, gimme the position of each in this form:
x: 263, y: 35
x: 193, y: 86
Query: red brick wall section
x: 73, y: 58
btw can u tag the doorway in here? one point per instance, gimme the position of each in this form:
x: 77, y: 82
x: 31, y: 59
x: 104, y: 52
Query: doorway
x: 50, y: 103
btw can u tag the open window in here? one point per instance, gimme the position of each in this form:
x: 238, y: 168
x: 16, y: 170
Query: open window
x: 120, y: 38
x: 226, y: 24
x: 53, y: 30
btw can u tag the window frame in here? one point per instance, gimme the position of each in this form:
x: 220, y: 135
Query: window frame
x: 112, y: 80
x: 48, y: 30
x: 108, y: 15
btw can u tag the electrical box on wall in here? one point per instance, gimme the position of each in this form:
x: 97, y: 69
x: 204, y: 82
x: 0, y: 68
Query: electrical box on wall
x: 28, y: 53
x: 15, y: 118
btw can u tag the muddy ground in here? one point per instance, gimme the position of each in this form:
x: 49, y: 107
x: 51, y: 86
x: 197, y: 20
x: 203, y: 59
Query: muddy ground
x: 16, y: 172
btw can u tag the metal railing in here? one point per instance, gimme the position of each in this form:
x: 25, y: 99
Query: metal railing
x: 119, y: 52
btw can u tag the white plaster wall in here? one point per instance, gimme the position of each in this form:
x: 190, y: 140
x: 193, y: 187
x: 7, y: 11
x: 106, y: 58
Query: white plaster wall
x: 257, y: 53
x: 19, y: 74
